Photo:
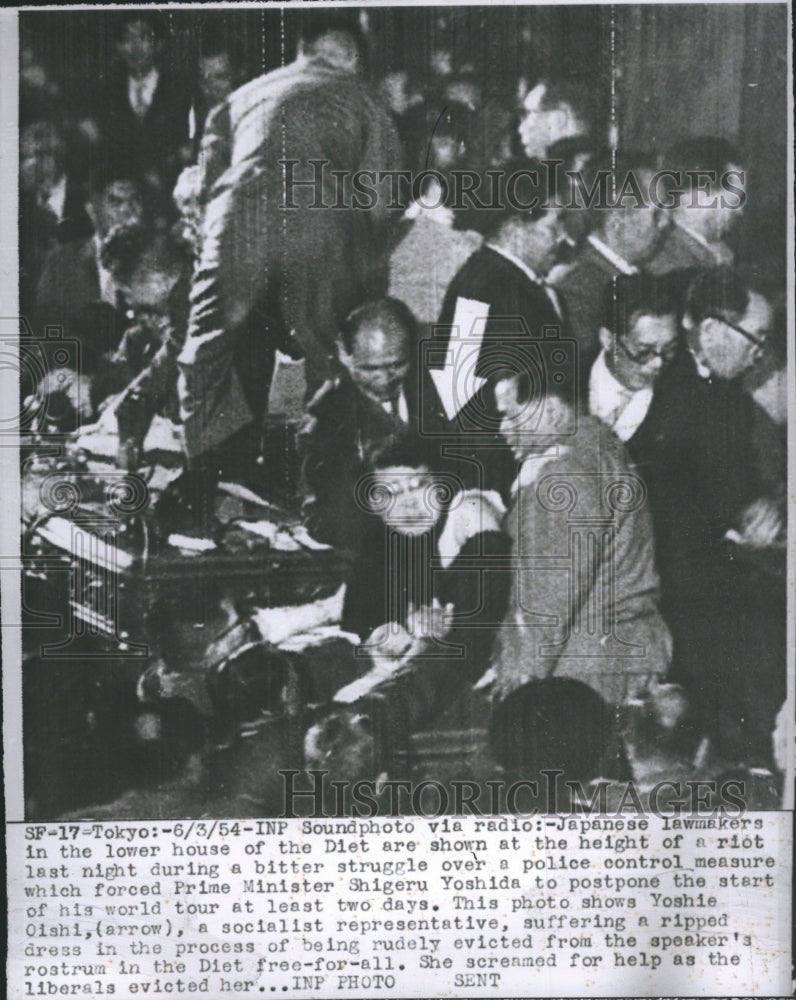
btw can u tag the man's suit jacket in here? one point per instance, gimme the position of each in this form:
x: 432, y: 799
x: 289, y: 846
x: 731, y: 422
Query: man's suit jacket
x: 559, y: 606
x: 151, y: 144
x: 40, y: 231
x: 68, y: 296
x: 69, y: 280
x: 509, y: 293
x: 518, y: 311
x: 583, y: 289
x: 679, y: 251
x: 345, y: 427
x: 425, y: 261
x: 262, y: 239
x: 694, y: 452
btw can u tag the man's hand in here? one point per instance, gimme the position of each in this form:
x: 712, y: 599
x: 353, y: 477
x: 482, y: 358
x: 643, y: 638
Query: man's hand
x: 761, y: 524
x: 393, y: 644
x: 389, y: 642
x: 429, y: 622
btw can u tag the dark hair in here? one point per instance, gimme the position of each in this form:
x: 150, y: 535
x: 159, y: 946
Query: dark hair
x: 630, y: 295
x: 102, y: 173
x: 212, y: 46
x: 718, y: 292
x: 407, y: 449
x: 153, y: 19
x: 609, y: 169
x: 564, y: 384
x: 576, y: 152
x: 518, y: 183
x: 386, y: 312
x: 332, y: 21
x: 621, y: 162
x: 559, y: 724
x: 703, y: 153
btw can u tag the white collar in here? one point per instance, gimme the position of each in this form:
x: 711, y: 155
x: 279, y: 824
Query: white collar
x: 623, y: 266
x: 603, y: 384
x: 717, y: 251
x: 529, y: 271
x: 145, y: 85
x: 403, y: 408
x: 107, y: 282
x: 440, y: 215
x: 620, y: 408
x: 56, y: 198
x: 532, y: 465
x: 474, y: 511
x: 702, y: 369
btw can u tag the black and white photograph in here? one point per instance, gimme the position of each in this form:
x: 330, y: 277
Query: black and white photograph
x: 276, y: 518
x: 402, y: 432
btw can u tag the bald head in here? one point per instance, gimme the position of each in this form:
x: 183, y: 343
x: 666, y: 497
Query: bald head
x: 376, y: 345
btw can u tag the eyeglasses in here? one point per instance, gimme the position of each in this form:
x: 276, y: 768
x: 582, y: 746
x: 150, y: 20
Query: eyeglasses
x: 758, y: 340
x: 646, y: 355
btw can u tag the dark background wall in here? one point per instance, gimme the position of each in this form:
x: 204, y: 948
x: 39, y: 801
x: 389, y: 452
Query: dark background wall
x: 713, y: 70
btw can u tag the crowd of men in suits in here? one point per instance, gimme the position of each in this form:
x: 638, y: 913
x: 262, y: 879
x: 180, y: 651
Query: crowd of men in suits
x: 615, y: 345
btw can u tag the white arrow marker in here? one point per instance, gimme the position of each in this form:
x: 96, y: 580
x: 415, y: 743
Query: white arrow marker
x: 457, y: 383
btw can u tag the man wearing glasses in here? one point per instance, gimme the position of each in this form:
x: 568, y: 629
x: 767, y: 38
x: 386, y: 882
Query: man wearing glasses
x: 727, y: 325
x: 695, y: 453
x: 639, y: 338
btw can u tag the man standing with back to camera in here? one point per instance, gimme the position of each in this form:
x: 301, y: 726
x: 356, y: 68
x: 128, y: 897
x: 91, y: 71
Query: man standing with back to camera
x: 272, y: 270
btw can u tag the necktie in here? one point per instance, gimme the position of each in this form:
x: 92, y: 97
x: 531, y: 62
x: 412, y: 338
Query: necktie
x: 555, y: 300
x: 138, y: 99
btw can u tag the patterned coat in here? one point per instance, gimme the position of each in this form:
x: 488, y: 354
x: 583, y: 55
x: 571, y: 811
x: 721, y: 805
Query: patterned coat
x: 271, y: 265
x: 583, y: 602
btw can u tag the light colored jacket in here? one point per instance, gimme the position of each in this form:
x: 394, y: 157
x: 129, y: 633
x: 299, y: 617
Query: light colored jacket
x: 263, y: 242
x: 583, y: 602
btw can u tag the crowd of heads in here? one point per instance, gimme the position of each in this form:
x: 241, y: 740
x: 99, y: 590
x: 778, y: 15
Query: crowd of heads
x: 451, y: 123
x: 537, y: 177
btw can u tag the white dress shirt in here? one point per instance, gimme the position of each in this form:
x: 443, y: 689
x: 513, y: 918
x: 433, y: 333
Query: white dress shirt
x: 107, y: 283
x: 620, y: 408
x: 141, y: 92
x: 397, y: 408
x: 531, y: 468
x: 702, y: 369
x: 55, y: 199
x: 621, y: 265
